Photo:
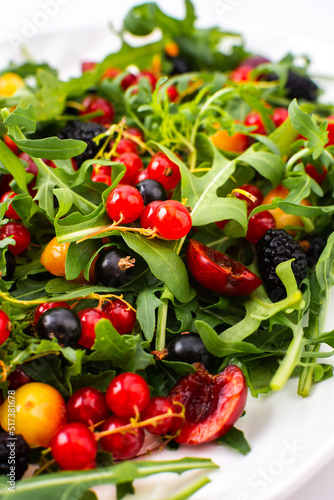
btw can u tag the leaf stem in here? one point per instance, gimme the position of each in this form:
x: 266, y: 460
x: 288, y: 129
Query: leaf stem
x: 191, y: 489
x: 160, y: 339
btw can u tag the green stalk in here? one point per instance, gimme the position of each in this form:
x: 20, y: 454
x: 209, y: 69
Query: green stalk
x: 290, y: 360
x: 160, y: 339
x: 190, y: 490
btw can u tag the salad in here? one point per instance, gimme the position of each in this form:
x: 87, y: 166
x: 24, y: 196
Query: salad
x: 166, y: 228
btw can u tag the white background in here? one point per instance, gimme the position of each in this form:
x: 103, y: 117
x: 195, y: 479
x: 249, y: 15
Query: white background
x: 270, y: 28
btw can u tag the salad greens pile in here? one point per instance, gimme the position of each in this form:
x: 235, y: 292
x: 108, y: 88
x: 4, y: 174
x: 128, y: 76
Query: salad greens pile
x: 270, y: 342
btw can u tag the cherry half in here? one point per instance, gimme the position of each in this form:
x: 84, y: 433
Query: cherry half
x: 218, y: 272
x: 212, y: 403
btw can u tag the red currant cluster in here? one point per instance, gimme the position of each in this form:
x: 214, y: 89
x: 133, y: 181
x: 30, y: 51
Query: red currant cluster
x: 74, y: 446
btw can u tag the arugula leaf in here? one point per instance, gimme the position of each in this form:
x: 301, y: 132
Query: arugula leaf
x: 235, y: 439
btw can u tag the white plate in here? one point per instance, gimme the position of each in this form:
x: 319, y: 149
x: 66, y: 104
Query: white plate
x: 291, y: 437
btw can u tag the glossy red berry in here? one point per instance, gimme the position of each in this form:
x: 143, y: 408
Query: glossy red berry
x: 20, y: 235
x: 31, y: 168
x: 241, y: 74
x: 122, y: 317
x: 89, y: 317
x: 146, y: 218
x: 102, y: 178
x: 128, y: 81
x: 18, y: 378
x: 141, y: 176
x: 87, y: 405
x: 88, y: 66
x: 74, y: 447
x: 126, y: 146
x: 136, y: 132
x: 160, y: 405
x: 125, y: 445
x: 149, y: 76
x: 279, y: 116
x: 253, y: 190
x: 254, y: 119
x: 127, y: 394
x: 172, y: 93
x: 10, y: 144
x: 5, y: 327
x: 258, y: 225
x: 133, y: 165
x: 314, y: 174
x: 10, y: 212
x: 163, y: 170
x: 124, y: 204
x: 172, y: 220
x: 102, y: 170
x: 48, y: 305
x: 93, y: 103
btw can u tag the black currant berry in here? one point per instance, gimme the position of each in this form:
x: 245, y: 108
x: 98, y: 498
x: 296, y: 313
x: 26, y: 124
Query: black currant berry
x: 114, y: 267
x: 10, y: 265
x: 151, y: 190
x: 60, y: 323
x: 189, y: 348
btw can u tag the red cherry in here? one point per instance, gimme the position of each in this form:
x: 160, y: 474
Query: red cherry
x: 279, y: 116
x: 32, y: 167
x: 127, y: 394
x: 105, y: 179
x: 172, y: 93
x: 172, y: 220
x: 314, y: 174
x: 126, y: 146
x: 213, y: 403
x: 46, y: 306
x: 133, y: 165
x: 125, y: 445
x: 258, y: 225
x: 141, y: 176
x: 87, y: 405
x: 20, y: 235
x: 254, y: 119
x: 160, y: 405
x: 218, y: 272
x: 18, y: 378
x: 125, y: 204
x: 10, y: 212
x: 74, y: 447
x: 122, y: 317
x: 163, y: 170
x: 128, y: 81
x: 89, y: 317
x: 146, y: 218
x: 5, y: 327
x: 94, y: 103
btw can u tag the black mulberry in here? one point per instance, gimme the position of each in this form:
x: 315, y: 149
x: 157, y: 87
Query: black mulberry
x: 274, y: 247
x: 83, y: 131
x: 14, y: 455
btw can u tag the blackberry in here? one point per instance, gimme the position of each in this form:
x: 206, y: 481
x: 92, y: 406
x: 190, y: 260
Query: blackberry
x: 83, y: 131
x: 274, y: 247
x: 14, y: 452
x: 313, y: 247
x: 301, y: 87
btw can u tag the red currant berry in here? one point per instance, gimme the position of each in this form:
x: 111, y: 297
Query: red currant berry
x: 127, y: 394
x: 221, y: 223
x: 5, y: 327
x: 172, y: 93
x: 128, y: 81
x: 241, y: 74
x: 254, y: 119
x: 74, y: 447
x: 87, y: 405
x: 258, y: 225
x: 253, y: 190
x: 48, y: 305
x: 133, y: 165
x: 102, y: 170
x: 314, y: 174
x: 102, y: 178
x: 10, y: 212
x: 89, y: 318
x: 20, y: 234
x: 163, y: 170
x: 18, y: 378
x: 141, y: 176
x: 93, y: 103
x: 150, y: 77
x: 122, y: 317
x: 31, y: 168
x: 10, y: 144
x: 172, y: 220
x: 123, y: 446
x: 126, y: 146
x: 124, y: 204
x: 136, y: 133
x: 279, y: 116
x: 146, y: 218
x: 88, y: 66
x: 160, y: 405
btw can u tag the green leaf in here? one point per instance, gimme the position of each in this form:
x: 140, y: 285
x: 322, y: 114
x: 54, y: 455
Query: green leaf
x: 14, y: 166
x: 163, y: 262
x: 147, y: 303
x: 24, y: 118
x: 72, y: 485
x: 77, y: 257
x: 52, y: 148
x: 235, y: 439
